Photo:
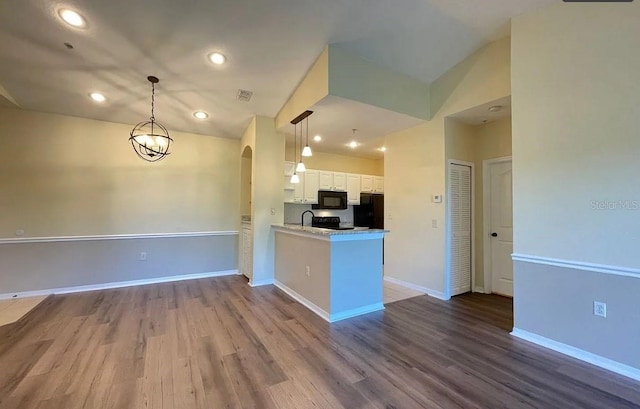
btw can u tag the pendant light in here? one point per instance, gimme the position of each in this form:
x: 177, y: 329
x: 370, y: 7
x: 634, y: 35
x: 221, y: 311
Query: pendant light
x: 307, y: 150
x: 150, y: 139
x: 295, y: 179
x: 300, y: 168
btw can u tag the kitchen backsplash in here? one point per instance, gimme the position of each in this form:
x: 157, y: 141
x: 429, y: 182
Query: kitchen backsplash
x: 292, y: 213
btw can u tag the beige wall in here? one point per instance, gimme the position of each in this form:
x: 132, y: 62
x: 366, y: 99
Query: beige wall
x: 475, y: 144
x: 414, y: 171
x: 339, y: 163
x: 313, y: 87
x: 267, y: 192
x: 575, y: 142
x: 415, y: 167
x: 492, y: 140
x: 65, y: 176
x: 245, y: 181
x: 482, y: 77
x: 460, y: 140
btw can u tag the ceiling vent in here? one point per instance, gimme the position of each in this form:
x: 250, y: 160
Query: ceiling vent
x: 244, y: 95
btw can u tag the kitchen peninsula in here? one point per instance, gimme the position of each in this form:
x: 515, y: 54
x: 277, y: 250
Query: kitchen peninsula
x: 335, y: 273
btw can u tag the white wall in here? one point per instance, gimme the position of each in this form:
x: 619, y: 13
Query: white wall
x: 575, y: 142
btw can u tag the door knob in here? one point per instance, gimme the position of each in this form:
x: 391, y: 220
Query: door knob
x: 494, y: 234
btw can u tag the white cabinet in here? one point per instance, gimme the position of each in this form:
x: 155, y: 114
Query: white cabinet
x: 293, y: 192
x: 339, y: 182
x: 336, y: 181
x: 353, y: 189
x: 311, y: 182
x: 298, y: 191
x: 325, y: 180
x: 366, y: 183
x: 246, y: 254
x: 378, y: 184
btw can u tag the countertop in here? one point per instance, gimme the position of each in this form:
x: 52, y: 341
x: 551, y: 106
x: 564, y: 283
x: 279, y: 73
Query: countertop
x: 327, y: 232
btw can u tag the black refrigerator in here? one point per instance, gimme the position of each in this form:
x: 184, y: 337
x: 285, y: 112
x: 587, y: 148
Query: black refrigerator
x: 370, y: 212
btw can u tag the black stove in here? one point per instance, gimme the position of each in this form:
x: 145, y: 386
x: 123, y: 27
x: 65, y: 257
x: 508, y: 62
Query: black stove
x: 328, y: 222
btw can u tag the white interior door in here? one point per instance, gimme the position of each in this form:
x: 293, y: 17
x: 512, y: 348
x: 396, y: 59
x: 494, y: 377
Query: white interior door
x: 460, y: 208
x: 501, y: 228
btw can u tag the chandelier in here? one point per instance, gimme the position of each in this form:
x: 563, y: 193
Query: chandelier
x: 150, y: 139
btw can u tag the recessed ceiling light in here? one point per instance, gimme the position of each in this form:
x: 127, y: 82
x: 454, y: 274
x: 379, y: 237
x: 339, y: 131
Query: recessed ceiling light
x: 495, y: 108
x: 382, y: 149
x: 201, y: 115
x: 97, y: 97
x: 317, y: 138
x: 353, y: 144
x: 217, y: 58
x: 73, y: 18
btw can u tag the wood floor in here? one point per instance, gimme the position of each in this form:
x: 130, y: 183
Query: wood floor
x: 13, y: 309
x: 218, y: 343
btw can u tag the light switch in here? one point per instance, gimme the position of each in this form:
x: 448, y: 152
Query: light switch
x: 434, y: 223
x: 273, y: 211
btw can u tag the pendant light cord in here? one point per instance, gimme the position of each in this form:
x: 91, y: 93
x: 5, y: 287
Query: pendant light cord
x: 153, y: 100
x: 307, y: 121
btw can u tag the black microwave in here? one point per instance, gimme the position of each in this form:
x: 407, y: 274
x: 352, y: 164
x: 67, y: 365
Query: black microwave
x: 328, y: 199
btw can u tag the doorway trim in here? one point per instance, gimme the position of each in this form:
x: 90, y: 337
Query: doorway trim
x: 448, y: 232
x: 486, y: 219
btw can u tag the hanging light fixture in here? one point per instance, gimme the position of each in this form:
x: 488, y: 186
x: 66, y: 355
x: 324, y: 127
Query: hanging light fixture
x: 295, y: 179
x: 150, y: 139
x: 300, y: 168
x: 306, y: 151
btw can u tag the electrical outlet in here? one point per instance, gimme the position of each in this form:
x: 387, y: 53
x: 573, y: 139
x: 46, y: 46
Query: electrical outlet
x: 434, y: 223
x: 600, y: 309
x: 307, y: 270
x: 143, y: 256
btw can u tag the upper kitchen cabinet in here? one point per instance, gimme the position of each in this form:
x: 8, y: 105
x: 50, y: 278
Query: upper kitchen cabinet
x: 366, y: 183
x: 311, y: 184
x: 353, y: 189
x: 339, y: 182
x: 293, y: 192
x: 372, y: 184
x: 325, y: 180
x: 378, y: 184
x: 335, y: 181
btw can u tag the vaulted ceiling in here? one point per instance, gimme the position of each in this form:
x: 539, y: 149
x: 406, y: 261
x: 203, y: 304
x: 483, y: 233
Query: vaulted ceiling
x: 269, y: 44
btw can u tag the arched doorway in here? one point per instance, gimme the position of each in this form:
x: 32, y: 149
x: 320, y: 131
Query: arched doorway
x: 245, y: 253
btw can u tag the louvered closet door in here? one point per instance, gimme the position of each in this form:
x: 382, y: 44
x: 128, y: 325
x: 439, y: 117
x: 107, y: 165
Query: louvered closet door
x: 460, y: 204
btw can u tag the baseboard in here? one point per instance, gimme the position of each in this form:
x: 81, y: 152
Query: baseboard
x: 478, y: 290
x: 343, y: 315
x: 260, y: 283
x: 597, y: 360
x: 432, y: 293
x: 119, y: 284
x: 302, y: 300
x: 339, y: 316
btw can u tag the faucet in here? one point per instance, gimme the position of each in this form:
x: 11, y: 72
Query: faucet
x: 302, y: 217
